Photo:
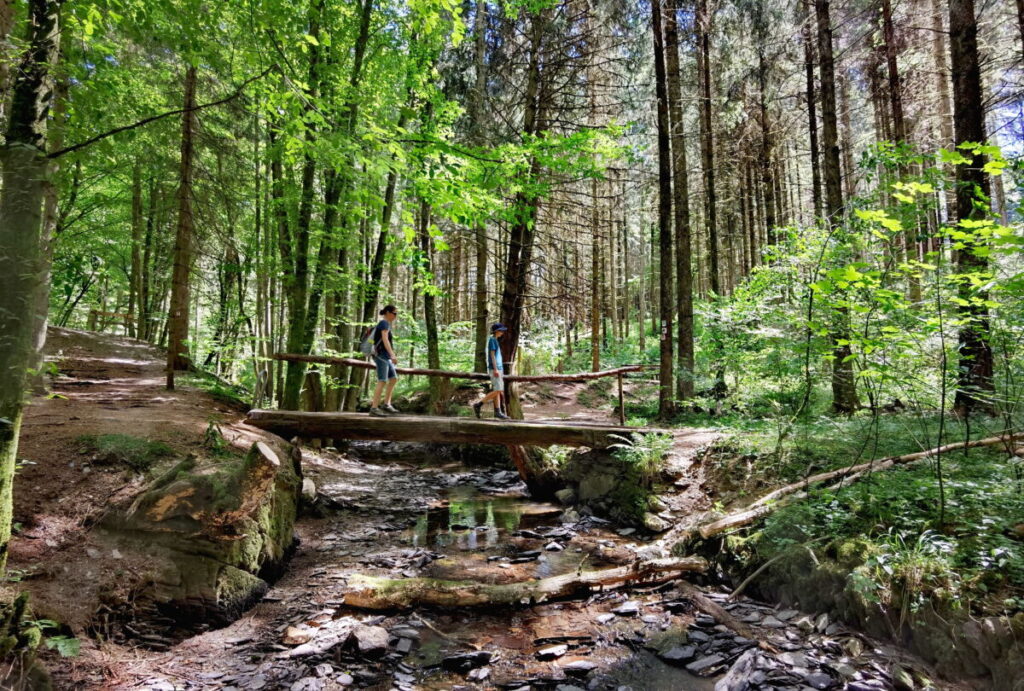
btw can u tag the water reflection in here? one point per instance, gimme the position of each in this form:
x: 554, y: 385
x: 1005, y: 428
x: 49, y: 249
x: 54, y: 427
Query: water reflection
x: 468, y: 522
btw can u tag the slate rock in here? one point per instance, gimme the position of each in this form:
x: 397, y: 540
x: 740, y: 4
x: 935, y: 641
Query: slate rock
x: 605, y: 618
x: 463, y: 662
x: 705, y: 665
x: 552, y: 652
x: 479, y: 674
x: 629, y: 608
x: 771, y: 622
x: 698, y: 636
x: 820, y: 680
x: 579, y: 668
x: 679, y: 655
x: 554, y: 547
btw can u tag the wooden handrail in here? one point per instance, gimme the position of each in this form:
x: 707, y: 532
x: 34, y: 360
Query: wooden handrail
x: 353, y: 362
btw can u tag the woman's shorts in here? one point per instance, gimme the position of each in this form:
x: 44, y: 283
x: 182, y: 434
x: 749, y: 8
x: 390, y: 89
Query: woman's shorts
x: 385, y: 368
x: 497, y: 383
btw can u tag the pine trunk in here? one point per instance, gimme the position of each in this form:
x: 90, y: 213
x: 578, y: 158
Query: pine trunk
x: 666, y: 391
x: 844, y: 390
x: 178, y: 316
x: 974, y: 373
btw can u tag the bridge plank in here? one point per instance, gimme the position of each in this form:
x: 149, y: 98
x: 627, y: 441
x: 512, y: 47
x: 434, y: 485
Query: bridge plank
x: 436, y: 429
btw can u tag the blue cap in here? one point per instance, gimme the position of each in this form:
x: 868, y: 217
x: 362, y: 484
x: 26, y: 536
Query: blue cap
x: 498, y: 327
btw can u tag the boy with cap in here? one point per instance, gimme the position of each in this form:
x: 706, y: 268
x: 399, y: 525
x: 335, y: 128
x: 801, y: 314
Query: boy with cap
x: 495, y: 368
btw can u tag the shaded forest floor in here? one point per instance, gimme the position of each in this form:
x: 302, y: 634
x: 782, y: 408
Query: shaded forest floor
x: 384, y: 509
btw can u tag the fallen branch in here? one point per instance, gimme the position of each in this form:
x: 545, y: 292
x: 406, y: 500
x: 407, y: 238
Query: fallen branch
x: 719, y: 614
x: 798, y: 490
x: 374, y: 593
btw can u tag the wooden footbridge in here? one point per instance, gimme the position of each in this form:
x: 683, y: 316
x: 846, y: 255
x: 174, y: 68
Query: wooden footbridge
x: 453, y: 430
x: 450, y: 430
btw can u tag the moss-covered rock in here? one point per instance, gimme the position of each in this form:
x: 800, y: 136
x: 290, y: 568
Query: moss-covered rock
x: 213, y: 533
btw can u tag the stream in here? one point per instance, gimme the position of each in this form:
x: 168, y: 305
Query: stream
x: 413, y: 514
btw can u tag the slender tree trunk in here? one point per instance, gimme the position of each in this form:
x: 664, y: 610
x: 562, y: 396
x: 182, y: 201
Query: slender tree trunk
x: 707, y: 142
x: 429, y: 306
x: 7, y: 57
x: 812, y: 116
x: 135, y: 283
x: 943, y: 109
x: 844, y: 390
x: 23, y: 256
x: 178, y: 317
x: 666, y: 404
x: 974, y: 372
x: 767, y: 150
x: 595, y: 282
x: 681, y: 197
x: 899, y: 128
x: 480, y: 234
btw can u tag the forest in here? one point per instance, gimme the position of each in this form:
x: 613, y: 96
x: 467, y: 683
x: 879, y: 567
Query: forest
x: 748, y: 273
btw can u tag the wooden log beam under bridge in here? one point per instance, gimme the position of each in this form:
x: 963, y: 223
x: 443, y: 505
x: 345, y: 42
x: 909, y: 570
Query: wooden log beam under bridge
x: 449, y: 430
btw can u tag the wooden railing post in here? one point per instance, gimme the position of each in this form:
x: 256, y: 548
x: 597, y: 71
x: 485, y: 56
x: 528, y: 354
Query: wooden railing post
x: 622, y: 404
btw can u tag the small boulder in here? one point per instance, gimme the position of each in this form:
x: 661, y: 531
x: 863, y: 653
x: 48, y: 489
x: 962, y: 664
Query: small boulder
x: 654, y: 523
x: 370, y: 641
x: 295, y: 635
x: 566, y: 496
x: 679, y: 655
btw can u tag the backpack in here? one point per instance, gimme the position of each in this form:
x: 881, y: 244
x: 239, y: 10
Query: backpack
x: 366, y: 342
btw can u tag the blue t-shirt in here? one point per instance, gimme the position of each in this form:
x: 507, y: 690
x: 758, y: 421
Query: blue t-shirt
x: 378, y: 336
x: 493, y: 347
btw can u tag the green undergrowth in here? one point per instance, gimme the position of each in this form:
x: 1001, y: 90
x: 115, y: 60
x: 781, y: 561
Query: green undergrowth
x: 960, y: 541
x: 123, y: 449
x: 235, y: 396
x: 905, y: 536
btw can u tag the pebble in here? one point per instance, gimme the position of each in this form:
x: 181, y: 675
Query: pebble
x: 554, y: 547
x: 605, y: 618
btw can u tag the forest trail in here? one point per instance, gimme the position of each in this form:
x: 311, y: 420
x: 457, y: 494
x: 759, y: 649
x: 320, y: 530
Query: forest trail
x: 389, y: 510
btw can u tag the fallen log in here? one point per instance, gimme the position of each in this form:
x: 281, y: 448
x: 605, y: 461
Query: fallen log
x: 374, y: 593
x: 798, y: 490
x: 422, y: 428
x: 721, y: 615
x: 479, y: 376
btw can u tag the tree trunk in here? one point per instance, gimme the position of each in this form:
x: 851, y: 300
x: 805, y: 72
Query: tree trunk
x: 812, y: 116
x: 844, y: 388
x: 899, y: 128
x: 707, y: 142
x: 178, y: 316
x: 437, y: 385
x: 666, y: 391
x: 943, y: 109
x: 767, y: 150
x: 974, y: 372
x: 681, y: 197
x: 521, y: 234
x: 23, y: 256
x: 135, y: 282
x: 476, y: 103
x: 6, y: 56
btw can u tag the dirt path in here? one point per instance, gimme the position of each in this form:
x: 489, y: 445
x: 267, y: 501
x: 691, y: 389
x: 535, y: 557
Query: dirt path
x: 390, y: 510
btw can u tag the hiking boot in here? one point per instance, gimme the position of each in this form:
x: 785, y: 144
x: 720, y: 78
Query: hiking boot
x: 498, y: 415
x: 390, y: 409
x: 377, y: 412
x: 476, y: 409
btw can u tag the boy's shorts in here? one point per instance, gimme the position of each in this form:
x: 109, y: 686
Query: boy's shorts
x: 497, y: 383
x: 385, y: 368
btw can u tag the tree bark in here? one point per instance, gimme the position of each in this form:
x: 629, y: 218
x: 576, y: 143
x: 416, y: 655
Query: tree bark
x: 437, y: 385
x: 844, y: 390
x: 666, y: 390
x: 974, y: 372
x: 899, y: 128
x: 375, y: 593
x: 178, y: 316
x: 707, y: 142
x: 6, y: 57
x: 521, y: 234
x: 479, y: 91
x: 812, y: 116
x: 681, y: 199
x: 23, y: 257
x: 135, y: 282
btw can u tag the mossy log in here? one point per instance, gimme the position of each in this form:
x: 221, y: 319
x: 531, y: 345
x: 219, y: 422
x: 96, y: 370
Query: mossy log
x: 374, y: 593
